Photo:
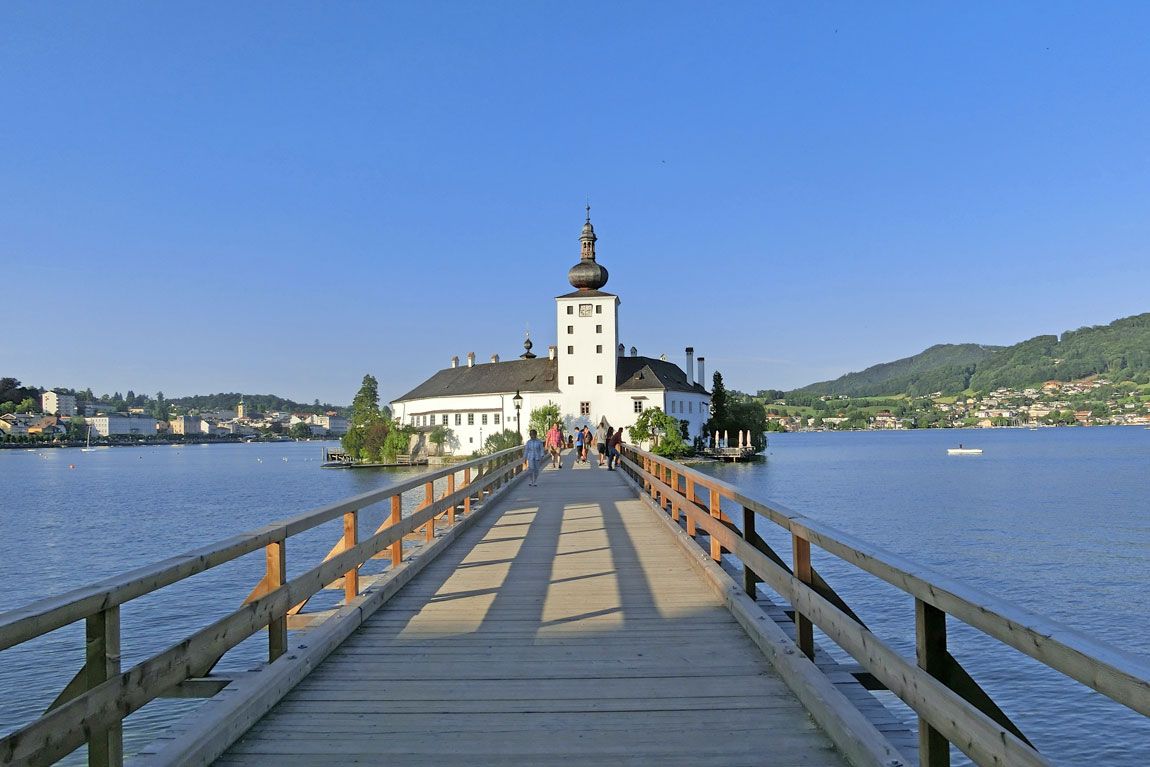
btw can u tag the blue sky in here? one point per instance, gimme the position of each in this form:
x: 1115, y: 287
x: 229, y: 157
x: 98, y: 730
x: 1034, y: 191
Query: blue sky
x: 280, y: 197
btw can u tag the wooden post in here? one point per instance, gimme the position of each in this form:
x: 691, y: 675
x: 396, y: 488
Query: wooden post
x: 102, y: 648
x: 716, y: 549
x: 350, y: 539
x: 675, y: 488
x: 275, y: 555
x: 691, y: 498
x: 428, y: 499
x: 930, y: 649
x: 750, y: 578
x: 467, y: 484
x: 804, y: 630
x: 396, y: 518
x: 451, y: 492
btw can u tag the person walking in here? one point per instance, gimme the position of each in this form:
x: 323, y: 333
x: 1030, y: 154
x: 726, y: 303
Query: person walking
x: 578, y: 447
x: 613, y: 442
x: 554, y: 444
x: 601, y: 441
x: 534, y: 453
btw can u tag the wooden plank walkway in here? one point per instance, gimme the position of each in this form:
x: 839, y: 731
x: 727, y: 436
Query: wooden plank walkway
x: 567, y: 625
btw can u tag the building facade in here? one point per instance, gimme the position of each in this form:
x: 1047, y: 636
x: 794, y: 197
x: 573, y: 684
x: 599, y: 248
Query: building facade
x: 587, y: 373
x: 108, y: 425
x: 58, y: 404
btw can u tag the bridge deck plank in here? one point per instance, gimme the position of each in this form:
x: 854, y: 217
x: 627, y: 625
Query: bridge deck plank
x: 569, y: 626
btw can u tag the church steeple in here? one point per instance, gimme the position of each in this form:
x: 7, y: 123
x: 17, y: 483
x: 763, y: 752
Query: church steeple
x: 587, y: 274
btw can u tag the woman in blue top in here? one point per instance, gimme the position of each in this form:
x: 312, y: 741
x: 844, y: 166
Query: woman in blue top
x: 578, y: 447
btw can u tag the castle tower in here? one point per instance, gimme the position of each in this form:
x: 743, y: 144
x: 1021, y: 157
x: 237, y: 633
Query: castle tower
x: 241, y: 409
x: 587, y: 332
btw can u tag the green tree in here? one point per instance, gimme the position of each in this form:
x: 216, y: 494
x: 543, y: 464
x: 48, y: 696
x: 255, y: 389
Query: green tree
x: 662, y: 430
x: 365, y: 412
x: 28, y: 405
x: 501, y: 440
x: 299, y: 431
x: 398, y: 441
x: 720, y: 405
x: 161, y: 411
x: 542, y: 418
x: 439, y: 437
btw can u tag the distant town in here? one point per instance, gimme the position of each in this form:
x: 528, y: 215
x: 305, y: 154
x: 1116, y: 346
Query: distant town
x: 1095, y: 401
x: 65, y: 418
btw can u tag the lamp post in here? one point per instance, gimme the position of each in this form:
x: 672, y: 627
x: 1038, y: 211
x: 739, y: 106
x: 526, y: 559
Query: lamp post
x: 518, y: 400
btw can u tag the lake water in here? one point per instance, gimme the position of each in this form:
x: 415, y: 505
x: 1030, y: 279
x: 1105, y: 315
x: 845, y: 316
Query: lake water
x: 1055, y: 520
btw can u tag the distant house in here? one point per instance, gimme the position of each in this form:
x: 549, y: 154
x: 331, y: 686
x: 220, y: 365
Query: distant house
x: 109, y: 425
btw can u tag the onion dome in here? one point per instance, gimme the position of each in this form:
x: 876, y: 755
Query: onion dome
x: 587, y: 274
x: 527, y: 355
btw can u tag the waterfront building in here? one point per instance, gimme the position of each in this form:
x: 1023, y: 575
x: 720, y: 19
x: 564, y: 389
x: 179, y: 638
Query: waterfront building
x: 108, y: 425
x: 588, y: 373
x: 187, y: 424
x: 58, y: 404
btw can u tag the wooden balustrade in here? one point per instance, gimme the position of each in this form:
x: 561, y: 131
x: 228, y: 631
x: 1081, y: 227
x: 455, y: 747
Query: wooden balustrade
x: 952, y: 707
x: 93, y: 705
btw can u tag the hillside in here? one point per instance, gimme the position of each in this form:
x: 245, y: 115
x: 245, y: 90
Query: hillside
x: 1120, y: 350
x: 944, y: 367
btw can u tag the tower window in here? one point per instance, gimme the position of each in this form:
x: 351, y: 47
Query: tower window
x: 570, y: 329
x: 598, y: 328
x: 495, y: 419
x: 570, y: 380
x: 458, y: 418
x: 638, y: 406
x: 471, y: 419
x: 570, y: 349
x: 570, y: 309
x: 598, y: 308
x: 483, y: 419
x: 444, y: 420
x: 584, y: 408
x: 598, y: 379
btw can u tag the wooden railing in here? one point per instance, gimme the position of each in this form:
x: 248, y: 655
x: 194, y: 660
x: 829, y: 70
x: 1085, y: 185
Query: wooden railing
x: 93, y: 705
x: 952, y: 708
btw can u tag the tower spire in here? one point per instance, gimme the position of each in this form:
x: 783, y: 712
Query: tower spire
x: 587, y: 274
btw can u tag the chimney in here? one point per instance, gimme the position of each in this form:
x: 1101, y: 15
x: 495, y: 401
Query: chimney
x: 702, y: 372
x: 471, y: 359
x: 494, y: 358
x: 690, y: 365
x: 455, y: 361
x: 622, y: 350
x: 634, y: 352
x: 552, y: 351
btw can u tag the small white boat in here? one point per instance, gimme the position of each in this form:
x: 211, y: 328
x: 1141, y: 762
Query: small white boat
x: 960, y: 450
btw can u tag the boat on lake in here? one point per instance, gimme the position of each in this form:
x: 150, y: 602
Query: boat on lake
x: 960, y: 450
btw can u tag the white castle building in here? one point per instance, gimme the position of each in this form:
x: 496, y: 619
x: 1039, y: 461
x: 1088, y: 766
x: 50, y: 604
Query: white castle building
x: 586, y: 373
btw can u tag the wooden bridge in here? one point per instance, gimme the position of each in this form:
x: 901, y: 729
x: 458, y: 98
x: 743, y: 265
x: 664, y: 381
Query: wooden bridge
x: 631, y: 617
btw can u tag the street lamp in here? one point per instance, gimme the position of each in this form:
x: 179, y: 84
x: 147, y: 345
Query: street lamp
x: 518, y: 400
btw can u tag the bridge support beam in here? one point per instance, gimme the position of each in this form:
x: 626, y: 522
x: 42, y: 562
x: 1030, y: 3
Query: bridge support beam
x: 930, y: 649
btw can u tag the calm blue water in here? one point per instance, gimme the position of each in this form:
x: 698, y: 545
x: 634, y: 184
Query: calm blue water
x: 69, y: 518
x: 1054, y: 520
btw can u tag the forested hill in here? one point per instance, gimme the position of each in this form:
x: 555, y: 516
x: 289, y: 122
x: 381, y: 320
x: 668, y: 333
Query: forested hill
x: 255, y: 403
x: 945, y: 367
x: 1120, y: 350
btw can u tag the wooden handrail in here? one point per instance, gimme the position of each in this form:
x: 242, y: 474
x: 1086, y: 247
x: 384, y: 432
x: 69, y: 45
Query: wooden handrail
x: 95, y: 703
x: 965, y: 717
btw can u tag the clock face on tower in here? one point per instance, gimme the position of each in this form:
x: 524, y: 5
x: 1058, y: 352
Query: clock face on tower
x: 584, y: 310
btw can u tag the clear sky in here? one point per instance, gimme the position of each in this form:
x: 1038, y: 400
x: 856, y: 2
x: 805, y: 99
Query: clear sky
x: 281, y: 197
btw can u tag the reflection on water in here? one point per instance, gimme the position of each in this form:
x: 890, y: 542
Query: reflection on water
x: 1055, y: 520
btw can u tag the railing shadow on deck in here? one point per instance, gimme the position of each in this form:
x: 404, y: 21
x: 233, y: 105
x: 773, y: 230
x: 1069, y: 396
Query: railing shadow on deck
x: 91, y: 708
x: 952, y: 708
